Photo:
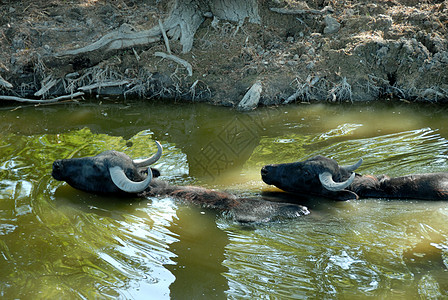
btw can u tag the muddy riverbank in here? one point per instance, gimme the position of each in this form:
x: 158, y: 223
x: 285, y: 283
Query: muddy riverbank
x: 293, y: 51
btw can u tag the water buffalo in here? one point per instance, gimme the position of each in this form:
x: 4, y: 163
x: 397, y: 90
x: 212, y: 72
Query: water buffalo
x: 113, y: 172
x: 323, y: 176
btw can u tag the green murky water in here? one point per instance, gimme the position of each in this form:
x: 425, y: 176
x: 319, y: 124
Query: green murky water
x: 56, y: 242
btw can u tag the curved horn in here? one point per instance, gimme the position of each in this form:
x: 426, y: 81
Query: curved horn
x: 327, y: 182
x: 120, y: 179
x: 149, y: 161
x: 353, y: 167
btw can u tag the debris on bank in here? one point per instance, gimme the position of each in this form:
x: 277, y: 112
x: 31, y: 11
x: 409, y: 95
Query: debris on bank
x: 294, y: 51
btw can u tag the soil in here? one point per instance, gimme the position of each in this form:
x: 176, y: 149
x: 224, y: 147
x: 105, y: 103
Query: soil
x: 315, y: 50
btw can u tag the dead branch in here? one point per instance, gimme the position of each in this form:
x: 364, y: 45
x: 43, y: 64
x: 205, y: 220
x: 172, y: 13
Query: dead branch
x: 178, y: 60
x: 47, y: 84
x: 20, y: 99
x: 293, y: 97
x: 251, y: 98
x: 102, y: 85
x: 287, y: 11
x: 5, y: 83
x: 165, y: 37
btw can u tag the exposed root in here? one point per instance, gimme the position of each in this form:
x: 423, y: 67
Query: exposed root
x: 47, y: 83
x: 199, y: 93
x: 341, y: 91
x: 287, y: 11
x: 305, y: 90
x: 431, y: 94
x: 376, y: 85
x: 165, y: 37
x: 34, y: 101
x: 179, y: 60
x: 119, y: 39
x: 396, y: 91
x: 94, y: 78
x: 143, y: 83
x: 5, y: 84
x: 103, y: 85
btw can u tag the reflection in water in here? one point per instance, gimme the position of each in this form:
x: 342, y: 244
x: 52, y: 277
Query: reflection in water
x: 199, y: 251
x: 56, y: 242
x: 128, y: 238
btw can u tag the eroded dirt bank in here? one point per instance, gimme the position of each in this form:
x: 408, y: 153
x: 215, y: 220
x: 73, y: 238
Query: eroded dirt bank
x: 294, y: 50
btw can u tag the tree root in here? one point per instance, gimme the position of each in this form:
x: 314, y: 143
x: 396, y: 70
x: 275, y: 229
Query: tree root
x: 47, y: 84
x: 182, y: 23
x: 341, y: 91
x: 102, y: 85
x: 305, y: 90
x: 183, y: 17
x: 119, y: 39
x: 165, y: 37
x: 286, y: 11
x: 5, y: 84
x: 181, y: 61
x: 35, y: 101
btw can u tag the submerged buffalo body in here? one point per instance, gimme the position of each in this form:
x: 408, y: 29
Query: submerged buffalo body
x: 324, y: 177
x: 113, y: 172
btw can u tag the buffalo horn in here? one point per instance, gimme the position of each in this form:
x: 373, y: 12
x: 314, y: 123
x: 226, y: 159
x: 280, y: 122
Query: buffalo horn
x: 139, y: 163
x: 125, y: 184
x: 327, y: 182
x: 353, y: 167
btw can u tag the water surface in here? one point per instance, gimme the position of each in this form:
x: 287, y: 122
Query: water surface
x: 58, y: 242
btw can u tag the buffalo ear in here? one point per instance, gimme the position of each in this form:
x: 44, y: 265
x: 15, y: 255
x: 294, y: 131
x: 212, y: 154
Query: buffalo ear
x: 155, y: 172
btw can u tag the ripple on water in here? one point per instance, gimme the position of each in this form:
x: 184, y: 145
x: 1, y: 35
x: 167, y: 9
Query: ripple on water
x: 393, y: 154
x: 355, y: 248
x: 60, y: 243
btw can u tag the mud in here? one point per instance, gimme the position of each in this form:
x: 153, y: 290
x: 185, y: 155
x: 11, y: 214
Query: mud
x: 300, y: 51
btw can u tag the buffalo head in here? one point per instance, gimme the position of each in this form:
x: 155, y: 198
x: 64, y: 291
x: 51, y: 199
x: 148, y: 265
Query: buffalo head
x: 318, y: 175
x: 107, y: 172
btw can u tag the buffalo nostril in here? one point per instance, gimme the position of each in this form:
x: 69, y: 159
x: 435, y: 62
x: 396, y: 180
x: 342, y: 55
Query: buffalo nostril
x: 264, y: 171
x: 267, y: 169
x: 57, y: 168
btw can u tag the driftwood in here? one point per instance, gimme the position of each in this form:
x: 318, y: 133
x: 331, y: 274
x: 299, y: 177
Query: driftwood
x: 287, y: 11
x: 293, y: 97
x: 36, y: 101
x: 251, y: 98
x: 47, y: 84
x: 5, y: 83
x: 102, y: 85
x: 179, y: 60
